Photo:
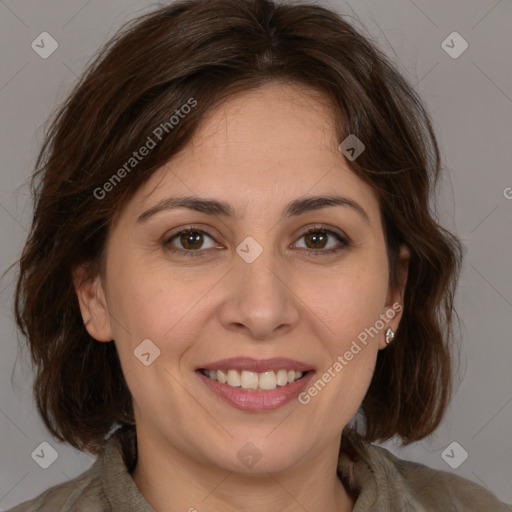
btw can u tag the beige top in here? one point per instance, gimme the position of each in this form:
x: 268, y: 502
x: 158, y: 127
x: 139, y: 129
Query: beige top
x: 383, y: 483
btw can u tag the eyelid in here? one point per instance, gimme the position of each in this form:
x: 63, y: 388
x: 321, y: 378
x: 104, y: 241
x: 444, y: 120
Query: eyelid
x: 189, y: 227
x: 328, y: 229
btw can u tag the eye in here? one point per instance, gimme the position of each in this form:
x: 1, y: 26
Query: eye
x: 191, y: 240
x: 317, y: 236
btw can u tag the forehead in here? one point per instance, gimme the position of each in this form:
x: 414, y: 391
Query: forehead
x: 259, y: 149
x: 283, y: 117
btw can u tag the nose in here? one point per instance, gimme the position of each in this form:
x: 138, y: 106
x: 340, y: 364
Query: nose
x: 260, y: 302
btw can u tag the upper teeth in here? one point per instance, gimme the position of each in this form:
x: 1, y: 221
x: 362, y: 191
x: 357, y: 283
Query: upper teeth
x: 251, y: 380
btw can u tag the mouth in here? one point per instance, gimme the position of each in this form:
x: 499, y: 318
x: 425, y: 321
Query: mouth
x: 256, y: 385
x: 264, y: 381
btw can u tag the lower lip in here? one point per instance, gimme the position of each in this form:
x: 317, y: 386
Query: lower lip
x: 257, y: 401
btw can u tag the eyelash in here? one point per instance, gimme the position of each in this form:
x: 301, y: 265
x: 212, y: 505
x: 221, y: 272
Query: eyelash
x: 311, y: 252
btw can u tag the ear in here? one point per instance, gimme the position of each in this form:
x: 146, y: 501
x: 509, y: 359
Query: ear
x: 92, y: 301
x: 394, y: 306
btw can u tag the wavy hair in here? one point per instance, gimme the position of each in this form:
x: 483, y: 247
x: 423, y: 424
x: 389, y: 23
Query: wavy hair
x: 210, y: 50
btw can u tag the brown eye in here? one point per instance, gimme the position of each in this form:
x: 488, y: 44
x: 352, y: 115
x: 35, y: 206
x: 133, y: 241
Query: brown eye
x: 316, y: 239
x: 190, y: 240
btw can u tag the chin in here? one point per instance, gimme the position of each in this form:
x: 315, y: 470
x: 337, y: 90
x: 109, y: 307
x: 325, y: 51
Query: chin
x: 255, y: 457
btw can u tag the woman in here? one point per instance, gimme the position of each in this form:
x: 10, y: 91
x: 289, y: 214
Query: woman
x: 232, y: 254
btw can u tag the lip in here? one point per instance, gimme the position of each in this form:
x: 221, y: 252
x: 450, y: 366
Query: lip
x: 257, y: 401
x: 256, y: 365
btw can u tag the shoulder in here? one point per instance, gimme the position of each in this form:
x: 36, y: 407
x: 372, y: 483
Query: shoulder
x: 427, y: 489
x: 106, y: 485
x: 81, y: 494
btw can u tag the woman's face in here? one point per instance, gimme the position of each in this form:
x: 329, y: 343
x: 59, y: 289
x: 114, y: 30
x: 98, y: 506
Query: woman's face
x: 254, y: 286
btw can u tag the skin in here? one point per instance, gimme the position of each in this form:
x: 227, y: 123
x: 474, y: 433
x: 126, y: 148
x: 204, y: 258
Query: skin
x: 258, y: 151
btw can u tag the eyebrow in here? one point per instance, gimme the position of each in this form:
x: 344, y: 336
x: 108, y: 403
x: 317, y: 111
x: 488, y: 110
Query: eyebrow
x: 215, y: 207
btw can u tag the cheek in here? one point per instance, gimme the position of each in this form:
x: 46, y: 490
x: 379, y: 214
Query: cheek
x: 166, y: 312
x: 156, y: 305
x: 349, y: 300
x: 351, y: 310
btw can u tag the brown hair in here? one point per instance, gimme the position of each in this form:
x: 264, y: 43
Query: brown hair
x: 209, y: 50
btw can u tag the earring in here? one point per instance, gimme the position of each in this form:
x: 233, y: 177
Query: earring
x: 390, y: 335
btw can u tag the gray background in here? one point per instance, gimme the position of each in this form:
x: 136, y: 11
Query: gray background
x: 470, y: 99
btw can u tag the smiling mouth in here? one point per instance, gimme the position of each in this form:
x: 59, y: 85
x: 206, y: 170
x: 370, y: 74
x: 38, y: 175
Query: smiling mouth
x: 254, y: 381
